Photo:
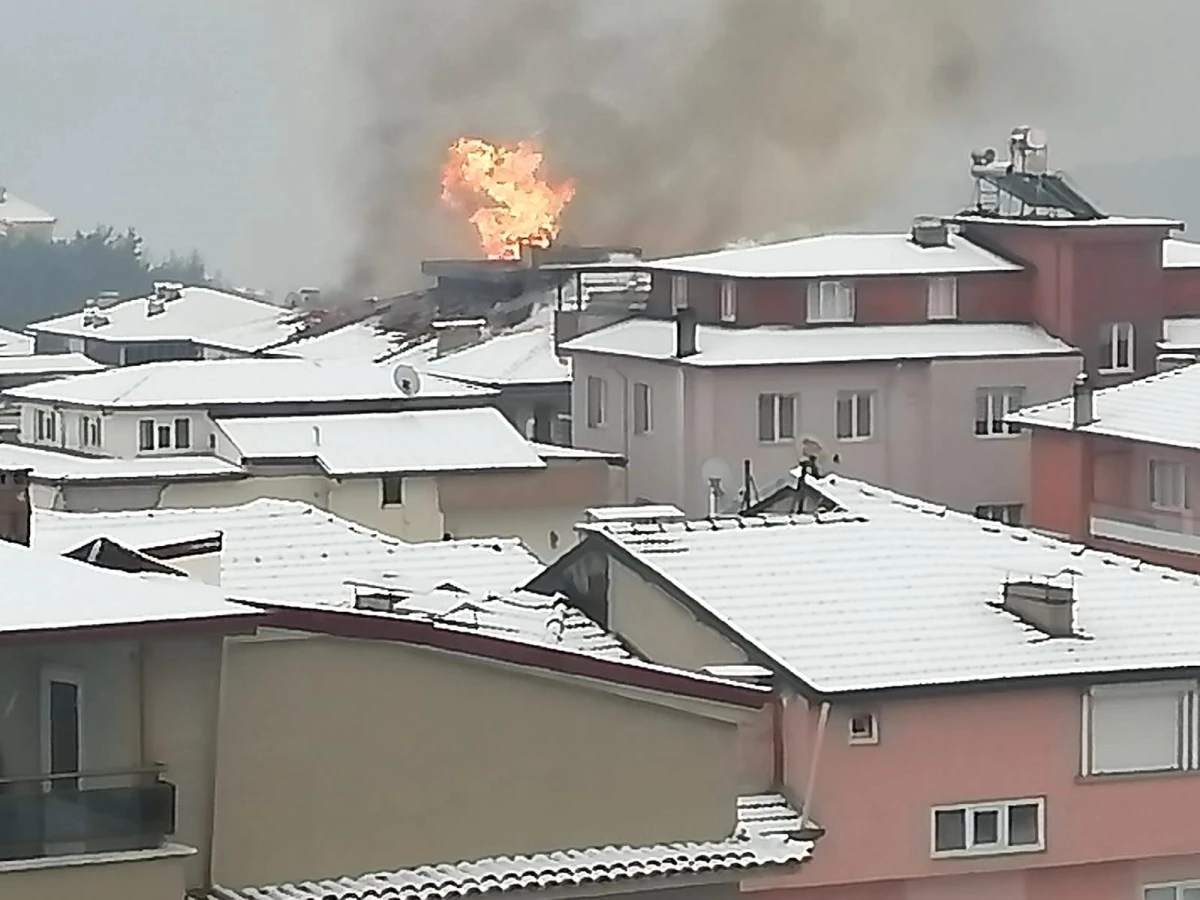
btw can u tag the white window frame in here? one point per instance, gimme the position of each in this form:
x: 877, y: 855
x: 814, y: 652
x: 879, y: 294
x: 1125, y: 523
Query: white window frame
x: 1176, y: 887
x: 643, y: 408
x: 859, y: 735
x: 384, y: 502
x: 142, y: 448
x: 856, y: 400
x: 679, y: 292
x: 1002, y: 400
x: 729, y: 300
x: 1005, y: 513
x: 1187, y: 724
x: 90, y: 431
x: 941, y: 298
x: 175, y: 423
x: 830, y: 301
x: 1118, y: 333
x: 1175, y: 477
x: 595, y: 404
x: 778, y: 403
x: 1002, y: 847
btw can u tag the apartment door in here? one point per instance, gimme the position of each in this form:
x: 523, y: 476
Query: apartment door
x: 62, y: 728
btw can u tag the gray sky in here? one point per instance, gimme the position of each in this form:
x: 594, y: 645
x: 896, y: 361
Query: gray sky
x: 227, y: 125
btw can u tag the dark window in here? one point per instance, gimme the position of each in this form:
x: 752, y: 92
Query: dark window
x: 164, y: 437
x: 146, y: 434
x: 987, y: 827
x: 64, y: 733
x: 183, y: 434
x: 1024, y: 825
x: 393, y: 490
x: 950, y: 830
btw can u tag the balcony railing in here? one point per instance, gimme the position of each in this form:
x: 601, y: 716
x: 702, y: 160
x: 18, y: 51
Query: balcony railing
x: 85, y: 812
x: 1166, y: 530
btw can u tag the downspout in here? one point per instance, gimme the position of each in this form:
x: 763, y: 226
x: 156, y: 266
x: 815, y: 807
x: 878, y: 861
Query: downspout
x: 810, y: 784
x: 778, y: 749
x: 681, y: 438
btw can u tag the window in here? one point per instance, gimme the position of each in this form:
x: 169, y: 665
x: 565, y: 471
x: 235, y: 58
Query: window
x: 855, y: 415
x: 1116, y: 348
x: 863, y: 729
x: 729, y: 301
x: 942, y: 299
x: 45, y: 424
x: 1168, y: 485
x: 146, y: 434
x: 164, y: 437
x: 393, y: 490
x: 1008, y: 513
x: 830, y: 301
x: 679, y: 292
x: 776, y: 418
x: 1183, y: 890
x: 1146, y: 727
x: 992, y: 404
x: 597, y: 400
x: 89, y: 431
x: 183, y: 434
x: 62, y: 726
x: 1003, y: 826
x: 642, y: 419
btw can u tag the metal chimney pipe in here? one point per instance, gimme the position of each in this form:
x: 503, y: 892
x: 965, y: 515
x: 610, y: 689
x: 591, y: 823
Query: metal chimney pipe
x: 685, y: 333
x: 1082, y: 402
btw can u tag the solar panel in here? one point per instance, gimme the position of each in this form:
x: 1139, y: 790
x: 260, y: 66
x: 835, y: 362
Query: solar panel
x: 1044, y: 192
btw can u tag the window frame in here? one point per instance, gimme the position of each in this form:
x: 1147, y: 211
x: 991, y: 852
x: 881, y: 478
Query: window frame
x: 643, y: 408
x: 1111, y: 346
x: 776, y: 401
x: 855, y: 399
x: 933, y: 298
x: 729, y: 301
x: 679, y: 292
x: 816, y: 312
x: 396, y: 481
x: 1003, y: 845
x: 595, y: 408
x: 859, y: 738
x: 1009, y: 399
x: 1157, y: 465
x: 90, y: 431
x: 147, y: 427
x: 1176, y: 887
x: 186, y: 429
x: 1187, y: 724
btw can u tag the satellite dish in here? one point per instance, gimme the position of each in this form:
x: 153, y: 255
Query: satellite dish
x: 406, y: 379
x: 1035, y: 139
x: 717, y: 480
x: 813, y: 452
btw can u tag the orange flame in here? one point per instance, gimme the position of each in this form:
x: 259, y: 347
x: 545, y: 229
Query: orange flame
x: 512, y: 205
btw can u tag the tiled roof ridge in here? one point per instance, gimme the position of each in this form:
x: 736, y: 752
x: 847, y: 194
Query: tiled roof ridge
x: 1108, y: 391
x: 724, y: 523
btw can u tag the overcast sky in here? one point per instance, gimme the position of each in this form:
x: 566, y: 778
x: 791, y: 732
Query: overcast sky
x: 226, y: 125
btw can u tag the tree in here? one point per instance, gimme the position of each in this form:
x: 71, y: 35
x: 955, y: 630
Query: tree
x: 43, y: 279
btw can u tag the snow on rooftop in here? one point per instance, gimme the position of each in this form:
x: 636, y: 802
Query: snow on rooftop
x: 236, y: 381
x: 47, y: 364
x: 15, y: 211
x: 60, y: 466
x: 767, y: 345
x: 290, y: 552
x: 895, y: 592
x: 1068, y: 222
x: 1180, y: 254
x: 45, y: 591
x: 207, y: 316
x: 525, y: 355
x: 840, y: 255
x: 435, y: 440
x: 553, y: 451
x: 15, y: 344
x: 1182, y: 334
x: 358, y: 340
x: 765, y: 836
x: 1162, y: 409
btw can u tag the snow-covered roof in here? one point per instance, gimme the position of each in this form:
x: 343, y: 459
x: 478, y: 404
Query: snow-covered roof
x: 895, y: 592
x: 15, y: 211
x: 1068, y: 222
x: 1162, y: 409
x: 204, y: 315
x: 434, y: 440
x: 765, y: 836
x: 358, y: 340
x: 290, y: 552
x: 769, y: 345
x: 15, y: 344
x: 525, y: 355
x: 839, y: 255
x: 47, y: 592
x: 60, y: 466
x: 1182, y: 334
x: 1180, y: 254
x: 553, y: 451
x: 236, y: 381
x: 47, y: 364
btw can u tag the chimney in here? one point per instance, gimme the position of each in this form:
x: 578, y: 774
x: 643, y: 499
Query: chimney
x: 930, y: 231
x: 1082, y: 403
x: 457, y: 334
x: 16, y: 512
x: 155, y: 306
x: 91, y: 313
x: 1049, y: 608
x: 685, y: 333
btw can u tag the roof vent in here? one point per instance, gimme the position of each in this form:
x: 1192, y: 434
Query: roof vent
x: 1083, y: 403
x: 1050, y: 608
x: 374, y: 602
x: 930, y: 231
x: 166, y: 291
x: 91, y: 313
x: 155, y: 306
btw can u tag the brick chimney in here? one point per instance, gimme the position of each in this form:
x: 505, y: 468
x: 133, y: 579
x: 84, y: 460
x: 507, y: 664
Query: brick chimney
x: 16, y: 511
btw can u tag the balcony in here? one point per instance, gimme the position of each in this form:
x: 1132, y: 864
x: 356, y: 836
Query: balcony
x: 86, y: 812
x: 1177, y: 532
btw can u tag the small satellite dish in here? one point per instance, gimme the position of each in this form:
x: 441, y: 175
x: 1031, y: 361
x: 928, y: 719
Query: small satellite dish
x: 406, y: 379
x: 1035, y: 138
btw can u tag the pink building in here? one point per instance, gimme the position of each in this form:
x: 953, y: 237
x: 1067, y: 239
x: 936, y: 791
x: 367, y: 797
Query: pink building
x: 967, y: 709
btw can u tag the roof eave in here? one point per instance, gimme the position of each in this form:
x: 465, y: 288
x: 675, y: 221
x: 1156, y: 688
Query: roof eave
x: 227, y: 624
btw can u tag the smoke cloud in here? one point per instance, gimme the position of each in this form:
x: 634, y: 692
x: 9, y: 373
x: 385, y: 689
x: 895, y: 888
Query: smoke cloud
x: 685, y: 123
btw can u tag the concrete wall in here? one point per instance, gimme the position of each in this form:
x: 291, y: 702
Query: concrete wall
x: 385, y: 741
x: 129, y: 877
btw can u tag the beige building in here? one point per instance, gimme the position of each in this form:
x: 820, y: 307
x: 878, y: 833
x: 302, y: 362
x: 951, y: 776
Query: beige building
x: 164, y: 738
